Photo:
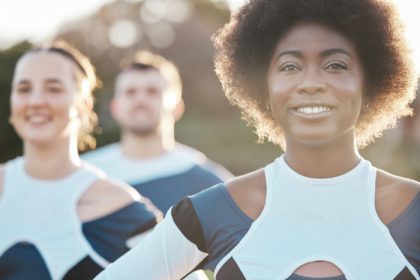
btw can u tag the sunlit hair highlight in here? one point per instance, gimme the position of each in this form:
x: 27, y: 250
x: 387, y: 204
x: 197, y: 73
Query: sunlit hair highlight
x: 245, y: 45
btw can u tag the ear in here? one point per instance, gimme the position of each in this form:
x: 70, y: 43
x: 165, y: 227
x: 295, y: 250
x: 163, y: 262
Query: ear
x: 179, y: 110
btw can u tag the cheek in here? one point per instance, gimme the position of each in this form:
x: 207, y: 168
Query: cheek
x: 278, y: 96
x: 121, y: 109
x: 280, y: 87
x: 350, y: 91
x: 65, y: 107
x: 17, y: 105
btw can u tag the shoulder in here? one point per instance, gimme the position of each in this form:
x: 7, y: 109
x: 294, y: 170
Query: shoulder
x: 394, y: 194
x: 388, y: 182
x: 201, y: 159
x: 100, y: 154
x: 248, y: 192
x: 202, y: 173
x: 104, y: 197
x: 218, y: 170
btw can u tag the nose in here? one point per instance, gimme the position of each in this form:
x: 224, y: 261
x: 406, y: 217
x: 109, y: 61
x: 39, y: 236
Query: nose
x: 37, y: 98
x: 312, y: 83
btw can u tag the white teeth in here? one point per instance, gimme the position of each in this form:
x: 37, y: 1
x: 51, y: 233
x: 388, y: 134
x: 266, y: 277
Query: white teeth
x: 313, y: 110
x: 37, y: 119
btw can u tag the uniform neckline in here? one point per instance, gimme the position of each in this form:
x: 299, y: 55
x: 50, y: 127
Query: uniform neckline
x: 362, y: 164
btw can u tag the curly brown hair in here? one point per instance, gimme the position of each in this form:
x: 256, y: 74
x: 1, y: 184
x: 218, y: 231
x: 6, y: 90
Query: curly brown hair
x: 87, y: 82
x: 245, y: 45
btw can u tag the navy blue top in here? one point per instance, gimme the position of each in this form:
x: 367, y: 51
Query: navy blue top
x: 165, y: 192
x: 107, y: 236
x: 225, y: 225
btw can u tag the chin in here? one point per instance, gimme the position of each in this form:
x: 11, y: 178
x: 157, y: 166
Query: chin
x: 38, y: 142
x: 40, y: 138
x: 143, y: 130
x: 314, y: 140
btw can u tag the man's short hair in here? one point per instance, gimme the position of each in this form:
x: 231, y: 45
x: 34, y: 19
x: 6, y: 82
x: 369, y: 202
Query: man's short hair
x: 147, y: 61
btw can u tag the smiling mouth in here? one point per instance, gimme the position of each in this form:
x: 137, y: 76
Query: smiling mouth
x: 37, y: 119
x: 312, y: 110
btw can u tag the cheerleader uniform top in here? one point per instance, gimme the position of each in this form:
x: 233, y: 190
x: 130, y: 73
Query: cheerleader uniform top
x: 41, y: 235
x: 164, y: 179
x: 303, y: 220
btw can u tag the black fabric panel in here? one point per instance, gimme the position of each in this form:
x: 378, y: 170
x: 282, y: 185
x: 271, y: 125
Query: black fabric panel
x: 86, y: 269
x: 186, y: 220
x: 22, y: 262
x: 405, y: 274
x: 230, y: 271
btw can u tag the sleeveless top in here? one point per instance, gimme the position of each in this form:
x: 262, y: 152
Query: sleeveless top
x: 43, y: 213
x: 332, y: 219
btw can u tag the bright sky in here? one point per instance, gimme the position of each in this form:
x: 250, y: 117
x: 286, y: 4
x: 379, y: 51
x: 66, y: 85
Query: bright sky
x: 37, y: 20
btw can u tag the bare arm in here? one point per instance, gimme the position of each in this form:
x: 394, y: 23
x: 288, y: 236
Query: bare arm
x: 105, y: 197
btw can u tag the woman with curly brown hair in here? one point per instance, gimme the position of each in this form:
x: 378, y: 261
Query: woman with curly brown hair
x: 322, y: 79
x: 60, y: 218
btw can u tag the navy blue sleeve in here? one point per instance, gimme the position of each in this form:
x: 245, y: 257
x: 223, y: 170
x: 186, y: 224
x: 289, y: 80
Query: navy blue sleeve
x: 223, y: 223
x: 108, y: 235
x: 405, y: 230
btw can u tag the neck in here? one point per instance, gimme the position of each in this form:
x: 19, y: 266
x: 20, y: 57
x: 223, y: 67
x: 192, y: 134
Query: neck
x: 323, y: 161
x: 145, y: 146
x: 53, y: 161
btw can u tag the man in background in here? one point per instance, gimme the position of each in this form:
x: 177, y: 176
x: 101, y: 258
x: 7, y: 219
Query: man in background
x: 146, y: 104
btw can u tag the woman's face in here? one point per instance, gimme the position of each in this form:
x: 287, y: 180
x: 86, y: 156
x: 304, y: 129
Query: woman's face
x: 315, y: 85
x: 43, y: 99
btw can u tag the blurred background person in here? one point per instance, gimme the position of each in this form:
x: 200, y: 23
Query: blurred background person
x: 146, y: 104
x: 60, y: 218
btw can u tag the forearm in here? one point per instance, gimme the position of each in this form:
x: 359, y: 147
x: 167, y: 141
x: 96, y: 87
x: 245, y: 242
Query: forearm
x: 165, y: 254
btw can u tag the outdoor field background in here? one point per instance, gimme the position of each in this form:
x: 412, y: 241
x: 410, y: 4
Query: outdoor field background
x: 181, y: 31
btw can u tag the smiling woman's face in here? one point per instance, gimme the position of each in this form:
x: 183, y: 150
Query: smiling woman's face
x: 315, y: 85
x: 43, y: 99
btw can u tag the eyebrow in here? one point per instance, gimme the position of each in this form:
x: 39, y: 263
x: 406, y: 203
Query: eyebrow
x: 325, y: 53
x: 49, y: 81
x: 54, y: 80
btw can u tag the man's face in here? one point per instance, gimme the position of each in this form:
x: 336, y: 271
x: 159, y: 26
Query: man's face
x: 138, y: 104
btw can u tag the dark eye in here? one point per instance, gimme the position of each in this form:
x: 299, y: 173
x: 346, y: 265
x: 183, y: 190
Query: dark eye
x: 151, y: 91
x: 55, y: 89
x: 23, y: 89
x: 288, y: 67
x: 336, y: 66
x: 130, y: 92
